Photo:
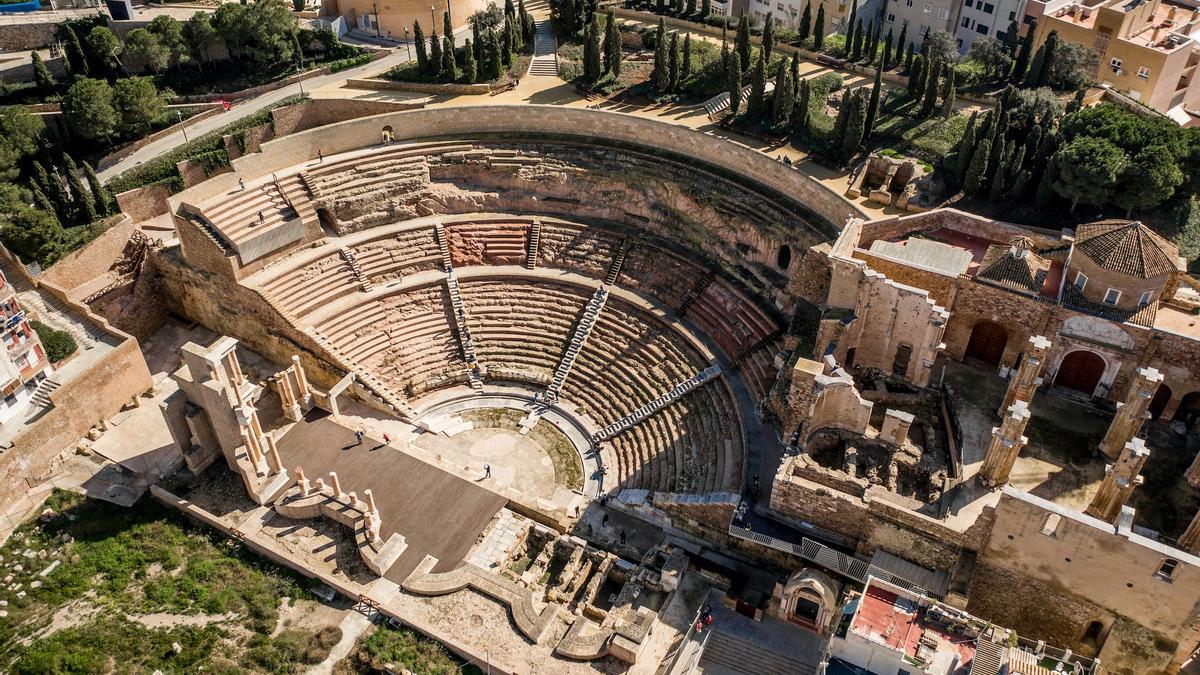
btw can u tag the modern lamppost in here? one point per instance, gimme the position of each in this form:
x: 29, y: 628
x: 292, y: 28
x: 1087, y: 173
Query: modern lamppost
x: 408, y: 43
x: 375, y: 10
x: 433, y: 17
x: 299, y: 80
x: 179, y: 116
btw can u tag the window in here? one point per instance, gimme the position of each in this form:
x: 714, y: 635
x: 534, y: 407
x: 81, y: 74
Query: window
x: 967, y: 3
x: 1001, y: 35
x: 909, y: 2
x: 891, y: 18
x: 1080, y: 280
x: 1115, y: 64
x: 981, y: 29
x: 1012, y: 15
x: 928, y: 8
x: 1144, y: 72
x: 1166, y: 570
x: 943, y: 14
x: 1050, y: 527
x: 1112, y: 296
x: 988, y: 8
x: 1146, y: 298
x: 966, y: 22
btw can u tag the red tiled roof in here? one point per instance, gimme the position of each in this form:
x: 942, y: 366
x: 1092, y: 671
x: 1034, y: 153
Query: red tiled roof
x: 1127, y: 247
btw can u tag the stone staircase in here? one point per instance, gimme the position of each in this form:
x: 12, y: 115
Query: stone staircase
x: 460, y: 312
x: 578, y: 339
x: 657, y: 404
x: 694, y: 293
x: 614, y: 269
x: 48, y: 310
x: 41, y: 395
x: 297, y: 195
x: 731, y: 654
x: 720, y: 103
x: 535, y: 240
x: 355, y: 268
x: 545, y: 51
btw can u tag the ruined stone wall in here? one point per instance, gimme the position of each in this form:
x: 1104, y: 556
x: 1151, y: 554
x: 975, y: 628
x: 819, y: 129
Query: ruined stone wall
x: 1020, y: 315
x: 977, y: 226
x: 144, y: 203
x: 940, y: 286
x: 1091, y: 573
x: 318, y: 112
x: 93, y: 260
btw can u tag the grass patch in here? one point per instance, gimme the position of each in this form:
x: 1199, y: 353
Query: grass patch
x: 58, y: 343
x: 568, y: 469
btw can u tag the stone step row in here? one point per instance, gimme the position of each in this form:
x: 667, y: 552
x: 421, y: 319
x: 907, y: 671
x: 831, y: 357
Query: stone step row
x: 657, y: 404
x: 578, y: 339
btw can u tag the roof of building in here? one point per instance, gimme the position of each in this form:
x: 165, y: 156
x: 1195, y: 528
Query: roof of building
x: 925, y: 253
x: 1014, y: 267
x: 1127, y: 247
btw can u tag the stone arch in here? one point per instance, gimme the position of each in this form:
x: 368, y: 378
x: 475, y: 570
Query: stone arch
x: 1080, y: 371
x: 1159, y: 402
x: 986, y: 344
x: 809, y: 599
x: 1093, y: 633
x: 783, y: 259
x: 1188, y: 411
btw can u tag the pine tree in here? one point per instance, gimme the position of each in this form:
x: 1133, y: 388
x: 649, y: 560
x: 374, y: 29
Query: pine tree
x: 99, y: 193
x: 948, y: 93
x: 758, y: 87
x: 886, y: 61
x: 900, y: 44
x: 962, y: 158
x: 612, y: 47
x: 929, y: 101
x: 592, y: 67
x: 801, y: 112
x: 795, y: 75
x: 734, y: 82
x: 661, y: 75
x: 41, y: 75
x: 768, y: 36
x: 975, y: 178
x: 81, y: 201
x: 435, y: 55
x: 422, y: 55
x: 470, y: 70
x: 819, y: 29
x: 916, y: 84
x: 741, y: 44
x: 783, y: 100
x: 673, y: 63
x: 805, y: 24
x: 873, y: 104
x: 856, y: 126
x: 1022, y: 61
x: 449, y: 62
x: 685, y: 71
x: 448, y: 30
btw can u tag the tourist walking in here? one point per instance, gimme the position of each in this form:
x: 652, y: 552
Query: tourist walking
x: 358, y: 436
x: 487, y: 470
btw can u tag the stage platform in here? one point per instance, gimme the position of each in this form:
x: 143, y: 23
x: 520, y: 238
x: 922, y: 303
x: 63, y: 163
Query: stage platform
x: 438, y: 513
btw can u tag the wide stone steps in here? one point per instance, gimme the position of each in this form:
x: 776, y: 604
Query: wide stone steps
x: 41, y: 395
x: 590, y: 313
x: 731, y: 654
x: 545, y: 51
x: 657, y: 404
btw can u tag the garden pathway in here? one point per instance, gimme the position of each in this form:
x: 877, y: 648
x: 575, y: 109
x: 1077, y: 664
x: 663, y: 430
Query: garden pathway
x: 545, y: 51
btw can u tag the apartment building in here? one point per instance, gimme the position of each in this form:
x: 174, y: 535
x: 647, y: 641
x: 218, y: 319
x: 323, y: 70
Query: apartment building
x: 1147, y: 48
x: 921, y: 16
x: 23, y: 362
x: 788, y: 12
x: 986, y: 18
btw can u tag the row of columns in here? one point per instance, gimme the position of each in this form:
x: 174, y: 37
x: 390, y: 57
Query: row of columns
x: 1122, y: 476
x: 295, y: 395
x: 370, y: 512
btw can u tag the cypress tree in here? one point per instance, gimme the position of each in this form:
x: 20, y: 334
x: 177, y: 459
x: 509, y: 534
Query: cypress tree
x: 795, y: 75
x: 873, y: 105
x: 999, y: 135
x: 819, y: 29
x: 875, y: 38
x: 1016, y: 164
x: 801, y: 112
x: 768, y: 35
x: 962, y: 158
x: 449, y: 63
x: 470, y: 70
x: 448, y: 29
x: 691, y: 8
x: 901, y: 43
x: 422, y: 55
x: 1023, y: 54
x: 783, y: 100
x: 886, y: 61
x: 1034, y: 74
x: 662, y: 7
x: 857, y: 46
x: 1051, y: 46
x: 506, y: 43
x: 976, y: 171
x: 678, y: 8
x: 908, y: 58
x: 734, y: 82
x: 705, y: 8
x: 1076, y: 103
x: 839, y: 123
x: 929, y: 100
x: 53, y: 188
x: 612, y: 47
x: 99, y: 192
x: 758, y: 87
x: 661, y: 75
x: 476, y: 44
x: 592, y: 68
x: 853, y: 21
x: 685, y: 70
x: 43, y: 202
x: 948, y: 93
x: 435, y: 54
x: 996, y: 186
x: 673, y: 63
x: 856, y: 125
x: 805, y: 24
x: 725, y: 47
x: 81, y: 201
x: 1020, y: 185
x: 41, y: 75
x: 916, y: 84
x: 73, y: 53
x: 494, y: 68
x: 741, y: 43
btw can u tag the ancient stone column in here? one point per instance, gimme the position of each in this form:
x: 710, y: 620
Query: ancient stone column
x: 1120, y: 479
x: 287, y: 397
x: 252, y: 449
x: 1006, y: 444
x: 1133, y: 413
x: 273, y: 455
x: 1190, y: 539
x: 1028, y: 377
x: 370, y: 500
x: 1193, y: 472
x: 301, y: 380
x: 337, y: 484
x: 896, y: 424
x: 302, y: 481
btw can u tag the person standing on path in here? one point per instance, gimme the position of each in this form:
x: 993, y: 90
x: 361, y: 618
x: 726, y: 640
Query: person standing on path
x: 358, y: 436
x: 487, y: 470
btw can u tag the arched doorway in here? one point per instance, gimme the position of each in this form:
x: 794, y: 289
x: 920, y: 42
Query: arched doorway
x: 784, y: 259
x: 1081, y: 371
x: 1159, y: 402
x: 986, y: 345
x: 1188, y: 411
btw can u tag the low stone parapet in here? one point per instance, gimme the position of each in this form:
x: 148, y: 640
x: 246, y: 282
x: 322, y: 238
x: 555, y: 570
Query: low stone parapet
x: 347, y: 510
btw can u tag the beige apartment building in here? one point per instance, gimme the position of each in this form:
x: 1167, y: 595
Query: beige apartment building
x: 1147, y: 49
x: 393, y: 19
x: 921, y: 16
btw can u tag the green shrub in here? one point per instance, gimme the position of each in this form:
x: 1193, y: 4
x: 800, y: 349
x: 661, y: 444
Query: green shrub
x: 347, y: 64
x: 823, y: 85
x: 58, y: 343
x: 969, y: 73
x: 835, y: 46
